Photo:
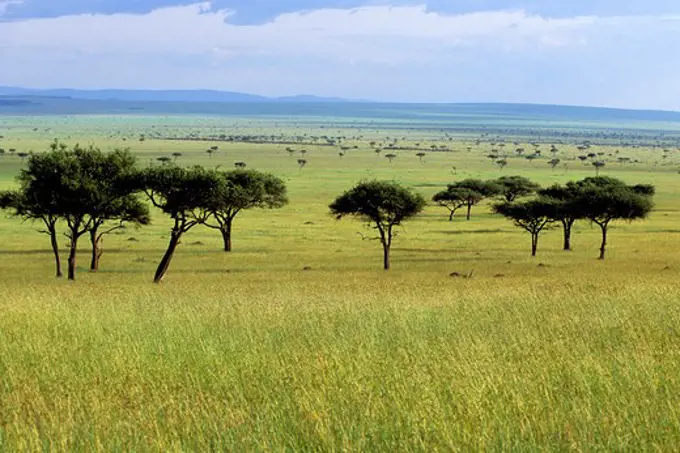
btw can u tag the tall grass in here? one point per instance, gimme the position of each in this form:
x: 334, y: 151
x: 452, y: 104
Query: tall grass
x: 249, y: 352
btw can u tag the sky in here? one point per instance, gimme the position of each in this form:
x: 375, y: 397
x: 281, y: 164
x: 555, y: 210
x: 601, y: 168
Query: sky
x: 614, y: 53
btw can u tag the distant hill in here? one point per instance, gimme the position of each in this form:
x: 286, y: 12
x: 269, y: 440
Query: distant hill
x: 158, y: 95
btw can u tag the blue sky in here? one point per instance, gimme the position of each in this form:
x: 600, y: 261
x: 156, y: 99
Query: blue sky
x: 618, y: 53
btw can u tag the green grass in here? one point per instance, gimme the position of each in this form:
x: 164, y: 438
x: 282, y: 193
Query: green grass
x: 249, y: 352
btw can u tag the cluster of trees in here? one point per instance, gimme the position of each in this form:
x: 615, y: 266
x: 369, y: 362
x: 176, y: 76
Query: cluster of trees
x: 91, y: 192
x: 600, y: 200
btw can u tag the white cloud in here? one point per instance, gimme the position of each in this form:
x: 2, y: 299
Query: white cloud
x: 390, y: 52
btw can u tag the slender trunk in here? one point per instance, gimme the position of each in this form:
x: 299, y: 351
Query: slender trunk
x: 469, y: 209
x: 72, y: 255
x: 165, y: 262
x: 55, y: 250
x: 567, y: 224
x: 226, y: 235
x: 386, y: 257
x: 451, y: 216
x: 534, y: 244
x: 96, y: 250
x: 603, y: 247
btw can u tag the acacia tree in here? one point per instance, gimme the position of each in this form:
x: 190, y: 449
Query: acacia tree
x: 241, y: 190
x: 455, y: 198
x: 475, y: 191
x: 567, y: 209
x: 604, y: 200
x: 114, y: 200
x: 185, y: 195
x: 384, y: 205
x: 533, y: 216
x: 512, y: 187
x: 31, y: 204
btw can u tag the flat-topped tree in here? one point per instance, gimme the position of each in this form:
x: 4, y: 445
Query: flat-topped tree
x: 512, y: 187
x: 117, y: 200
x: 241, y: 190
x: 476, y: 191
x: 455, y: 198
x: 532, y: 215
x: 35, y: 204
x: 184, y: 194
x: 384, y: 205
x: 567, y: 209
x: 604, y: 200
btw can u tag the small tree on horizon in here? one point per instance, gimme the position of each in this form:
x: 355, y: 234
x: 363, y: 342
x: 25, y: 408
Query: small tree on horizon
x: 384, y: 205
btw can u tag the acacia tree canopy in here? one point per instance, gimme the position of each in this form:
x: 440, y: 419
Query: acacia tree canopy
x: 513, y: 187
x: 184, y: 194
x: 533, y: 216
x: 241, y: 190
x: 383, y: 205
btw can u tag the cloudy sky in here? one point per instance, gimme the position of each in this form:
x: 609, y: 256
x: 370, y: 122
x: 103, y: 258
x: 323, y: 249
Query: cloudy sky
x: 620, y: 53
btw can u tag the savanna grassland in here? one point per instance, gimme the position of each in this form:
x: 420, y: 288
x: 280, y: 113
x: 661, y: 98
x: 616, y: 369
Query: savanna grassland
x: 298, y: 341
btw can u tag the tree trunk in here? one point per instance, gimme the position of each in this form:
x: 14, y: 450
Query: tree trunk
x: 96, y: 250
x: 451, y: 216
x: 469, y: 210
x: 386, y: 257
x: 226, y: 235
x: 55, y: 250
x: 72, y: 256
x: 534, y: 244
x: 165, y: 262
x: 603, y: 247
x: 567, y: 234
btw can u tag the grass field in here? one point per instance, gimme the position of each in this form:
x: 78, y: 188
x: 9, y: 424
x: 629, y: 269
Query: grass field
x: 250, y: 352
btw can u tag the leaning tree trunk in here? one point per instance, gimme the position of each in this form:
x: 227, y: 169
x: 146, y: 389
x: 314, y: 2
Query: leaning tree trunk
x: 226, y: 235
x: 72, y: 256
x: 469, y: 210
x: 165, y: 262
x: 567, y: 235
x: 603, y: 247
x: 96, y: 250
x: 451, y: 216
x: 55, y: 250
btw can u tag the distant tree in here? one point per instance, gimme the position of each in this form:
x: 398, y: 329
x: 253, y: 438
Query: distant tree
x: 554, y: 163
x: 598, y: 165
x: 175, y: 156
x: 164, y: 160
x: 301, y: 163
x: 533, y: 216
x: 502, y: 163
x: 604, y: 200
x: 184, y: 194
x: 291, y: 152
x: 210, y: 152
x: 240, y: 165
x: 22, y: 156
x: 240, y: 190
x: 384, y: 205
x: 513, y: 187
x: 475, y: 191
x: 583, y: 158
x: 391, y: 157
x: 421, y: 156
